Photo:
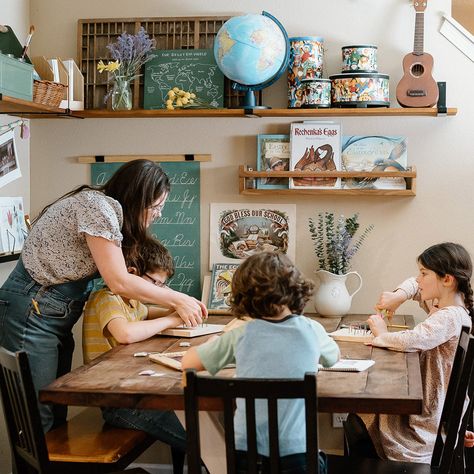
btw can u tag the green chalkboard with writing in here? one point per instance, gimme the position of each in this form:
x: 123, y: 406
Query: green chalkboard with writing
x: 179, y: 226
x: 193, y: 70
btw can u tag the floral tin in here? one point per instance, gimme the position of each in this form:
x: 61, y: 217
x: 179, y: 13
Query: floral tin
x: 359, y: 58
x: 306, y: 62
x: 360, y: 90
x: 316, y: 93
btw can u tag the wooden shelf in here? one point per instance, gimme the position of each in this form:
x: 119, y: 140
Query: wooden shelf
x: 410, y: 178
x: 28, y: 109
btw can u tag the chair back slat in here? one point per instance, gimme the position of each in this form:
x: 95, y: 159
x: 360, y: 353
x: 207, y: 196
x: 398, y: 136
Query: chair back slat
x: 229, y: 434
x: 192, y: 423
x: 273, y: 435
x: 251, y: 435
x: 450, y: 431
x: 25, y: 431
x: 272, y: 390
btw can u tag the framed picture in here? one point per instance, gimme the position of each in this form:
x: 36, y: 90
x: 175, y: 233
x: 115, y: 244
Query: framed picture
x: 220, y: 287
x: 9, y: 165
x: 273, y: 154
x: 13, y: 228
x: 238, y: 230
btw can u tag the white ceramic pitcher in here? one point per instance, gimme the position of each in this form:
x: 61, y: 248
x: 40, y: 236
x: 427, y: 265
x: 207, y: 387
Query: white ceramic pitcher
x: 332, y: 298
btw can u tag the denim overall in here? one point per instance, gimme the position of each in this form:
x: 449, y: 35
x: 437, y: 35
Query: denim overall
x: 43, y: 332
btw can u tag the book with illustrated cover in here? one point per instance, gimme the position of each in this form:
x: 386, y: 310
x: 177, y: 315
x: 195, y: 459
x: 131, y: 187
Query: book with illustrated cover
x: 220, y: 290
x: 352, y: 335
x: 374, y: 153
x: 349, y: 365
x: 193, y: 70
x: 315, y: 147
x: 273, y: 155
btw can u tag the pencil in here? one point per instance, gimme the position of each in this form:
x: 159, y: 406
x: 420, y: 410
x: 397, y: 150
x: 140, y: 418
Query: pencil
x: 398, y: 326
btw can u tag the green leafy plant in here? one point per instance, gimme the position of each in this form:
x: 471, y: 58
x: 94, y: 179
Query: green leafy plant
x: 334, y: 240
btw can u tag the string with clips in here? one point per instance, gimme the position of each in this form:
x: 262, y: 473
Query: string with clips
x: 23, y: 124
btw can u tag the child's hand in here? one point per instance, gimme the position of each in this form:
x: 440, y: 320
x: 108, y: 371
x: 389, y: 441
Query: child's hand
x: 469, y: 439
x: 377, y: 325
x: 390, y: 301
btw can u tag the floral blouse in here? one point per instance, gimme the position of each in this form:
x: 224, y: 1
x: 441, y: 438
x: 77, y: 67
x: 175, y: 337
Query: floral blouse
x: 56, y: 250
x: 412, y: 437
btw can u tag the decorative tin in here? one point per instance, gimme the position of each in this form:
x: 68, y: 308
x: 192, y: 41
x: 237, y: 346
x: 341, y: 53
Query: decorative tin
x: 359, y: 58
x: 306, y: 62
x: 360, y: 90
x: 316, y: 93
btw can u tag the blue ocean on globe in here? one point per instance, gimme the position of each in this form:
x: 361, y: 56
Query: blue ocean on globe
x: 250, y: 49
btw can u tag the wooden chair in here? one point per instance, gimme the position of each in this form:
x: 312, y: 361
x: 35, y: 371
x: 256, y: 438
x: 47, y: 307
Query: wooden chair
x: 449, y: 447
x: 83, y: 444
x: 228, y: 389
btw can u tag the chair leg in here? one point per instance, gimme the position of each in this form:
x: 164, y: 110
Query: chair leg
x: 177, y: 457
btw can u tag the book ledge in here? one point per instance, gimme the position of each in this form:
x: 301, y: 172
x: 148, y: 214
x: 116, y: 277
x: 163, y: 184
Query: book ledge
x: 246, y: 177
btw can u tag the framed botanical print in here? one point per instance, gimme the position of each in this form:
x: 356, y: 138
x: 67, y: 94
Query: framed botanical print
x: 273, y: 155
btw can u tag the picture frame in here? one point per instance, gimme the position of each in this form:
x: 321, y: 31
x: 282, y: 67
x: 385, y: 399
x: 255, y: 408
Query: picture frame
x: 238, y: 230
x: 273, y: 154
x: 13, y: 228
x: 9, y: 164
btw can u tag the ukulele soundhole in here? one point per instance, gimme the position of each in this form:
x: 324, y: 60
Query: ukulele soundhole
x: 417, y: 70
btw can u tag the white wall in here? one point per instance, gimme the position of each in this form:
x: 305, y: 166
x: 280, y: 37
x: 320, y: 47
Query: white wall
x: 439, y: 147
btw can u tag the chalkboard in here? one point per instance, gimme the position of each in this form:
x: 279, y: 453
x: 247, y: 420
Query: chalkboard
x: 193, y: 70
x: 179, y: 226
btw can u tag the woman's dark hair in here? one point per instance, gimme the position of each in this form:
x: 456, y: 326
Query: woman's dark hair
x: 451, y: 259
x: 136, y: 185
x: 265, y: 282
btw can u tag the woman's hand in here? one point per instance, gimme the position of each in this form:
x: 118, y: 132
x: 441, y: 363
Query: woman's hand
x: 377, y: 325
x: 389, y: 301
x: 190, y: 310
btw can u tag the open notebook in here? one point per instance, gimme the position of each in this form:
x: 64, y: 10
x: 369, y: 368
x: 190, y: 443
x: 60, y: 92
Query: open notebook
x: 352, y: 335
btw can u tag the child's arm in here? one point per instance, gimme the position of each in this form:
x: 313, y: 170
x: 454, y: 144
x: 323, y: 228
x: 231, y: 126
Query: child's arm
x: 126, y: 332
x: 329, y: 350
x: 191, y: 360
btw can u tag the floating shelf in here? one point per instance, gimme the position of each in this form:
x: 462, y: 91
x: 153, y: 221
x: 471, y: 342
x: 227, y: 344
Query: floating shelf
x: 410, y: 178
x: 28, y: 109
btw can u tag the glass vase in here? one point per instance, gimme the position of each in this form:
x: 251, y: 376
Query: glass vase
x: 121, y: 94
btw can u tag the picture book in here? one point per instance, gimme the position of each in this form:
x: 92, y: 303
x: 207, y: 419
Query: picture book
x: 348, y: 334
x: 193, y: 70
x: 374, y: 153
x: 220, y: 290
x: 273, y: 154
x: 193, y: 332
x: 315, y: 147
x: 349, y: 365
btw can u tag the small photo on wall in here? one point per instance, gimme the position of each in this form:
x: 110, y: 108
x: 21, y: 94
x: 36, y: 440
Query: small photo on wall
x: 9, y: 165
x: 273, y: 154
x: 239, y: 230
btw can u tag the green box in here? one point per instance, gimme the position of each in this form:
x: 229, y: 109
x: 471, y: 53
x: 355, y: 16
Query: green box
x: 16, y: 78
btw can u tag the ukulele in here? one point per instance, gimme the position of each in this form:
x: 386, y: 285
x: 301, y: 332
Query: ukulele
x: 417, y: 88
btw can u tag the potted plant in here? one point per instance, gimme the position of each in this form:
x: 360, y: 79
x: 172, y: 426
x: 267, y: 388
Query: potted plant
x: 335, y: 244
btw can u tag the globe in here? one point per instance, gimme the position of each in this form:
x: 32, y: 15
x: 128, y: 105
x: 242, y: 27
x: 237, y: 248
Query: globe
x: 252, y: 51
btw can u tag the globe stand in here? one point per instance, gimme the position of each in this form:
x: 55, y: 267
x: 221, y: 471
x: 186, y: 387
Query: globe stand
x: 250, y: 102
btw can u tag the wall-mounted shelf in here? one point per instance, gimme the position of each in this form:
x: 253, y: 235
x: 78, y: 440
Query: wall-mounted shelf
x: 28, y: 109
x: 10, y: 257
x: 410, y: 178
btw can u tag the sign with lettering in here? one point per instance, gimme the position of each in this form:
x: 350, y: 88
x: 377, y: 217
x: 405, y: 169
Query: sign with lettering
x: 178, y: 228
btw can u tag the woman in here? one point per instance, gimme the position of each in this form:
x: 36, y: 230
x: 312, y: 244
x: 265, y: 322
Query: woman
x: 82, y: 233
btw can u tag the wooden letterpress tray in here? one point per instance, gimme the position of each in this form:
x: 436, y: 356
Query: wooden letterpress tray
x: 93, y: 35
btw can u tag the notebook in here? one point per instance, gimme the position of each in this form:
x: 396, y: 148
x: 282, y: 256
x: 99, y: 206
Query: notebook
x: 352, y: 335
x: 349, y: 365
x: 193, y: 332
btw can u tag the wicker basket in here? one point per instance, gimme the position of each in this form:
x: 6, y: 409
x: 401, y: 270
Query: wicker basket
x: 48, y: 93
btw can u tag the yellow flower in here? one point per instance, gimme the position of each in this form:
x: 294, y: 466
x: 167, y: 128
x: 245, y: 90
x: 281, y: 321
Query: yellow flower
x: 169, y: 106
x: 179, y: 103
x: 171, y: 94
x: 184, y: 100
x: 111, y: 66
x: 101, y: 66
x: 176, y: 89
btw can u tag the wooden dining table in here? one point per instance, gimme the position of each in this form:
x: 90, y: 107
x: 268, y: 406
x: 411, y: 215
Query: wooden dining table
x: 392, y: 385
